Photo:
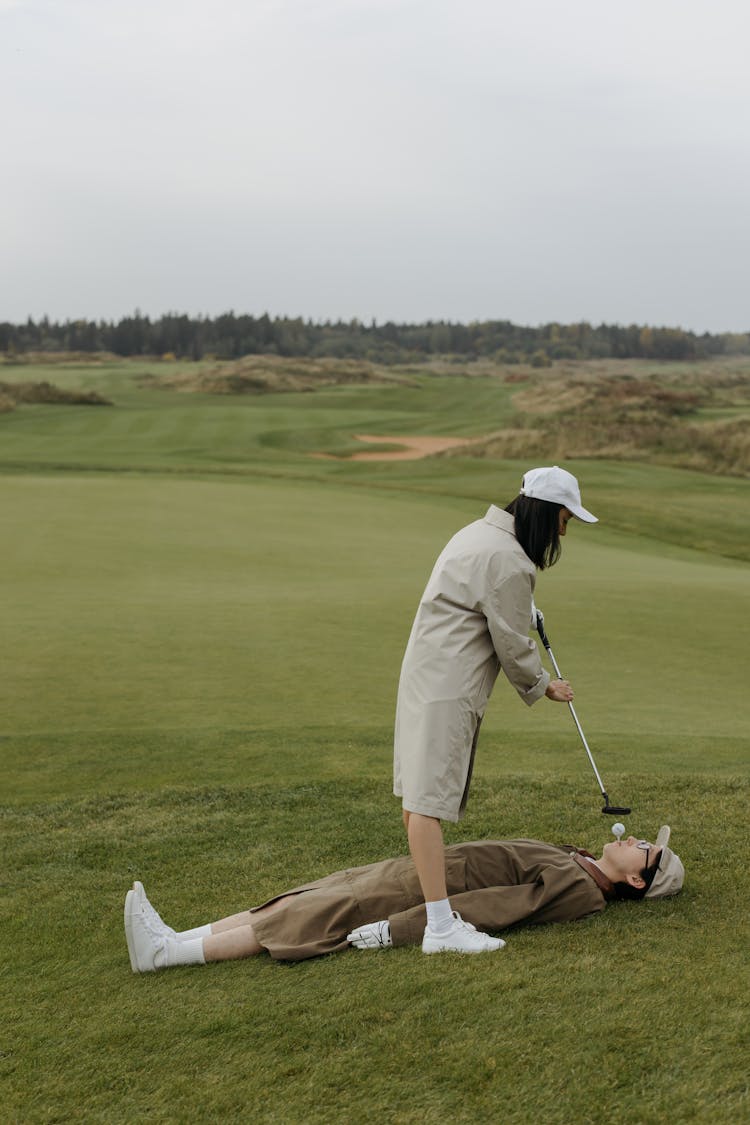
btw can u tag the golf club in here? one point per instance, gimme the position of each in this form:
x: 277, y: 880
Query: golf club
x: 617, y: 810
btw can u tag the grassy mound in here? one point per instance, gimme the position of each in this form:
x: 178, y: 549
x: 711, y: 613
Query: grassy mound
x: 15, y: 394
x: 267, y: 374
x: 696, y: 418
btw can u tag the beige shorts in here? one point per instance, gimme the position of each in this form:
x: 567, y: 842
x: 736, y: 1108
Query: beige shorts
x: 433, y: 759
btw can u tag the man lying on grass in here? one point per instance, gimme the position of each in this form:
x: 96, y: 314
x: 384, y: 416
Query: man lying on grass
x: 494, y: 883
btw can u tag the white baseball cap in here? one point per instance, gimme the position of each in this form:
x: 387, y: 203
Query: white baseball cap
x: 558, y: 486
x: 670, y: 873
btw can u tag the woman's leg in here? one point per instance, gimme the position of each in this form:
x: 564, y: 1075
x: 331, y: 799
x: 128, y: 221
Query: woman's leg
x: 445, y: 930
x: 427, y: 850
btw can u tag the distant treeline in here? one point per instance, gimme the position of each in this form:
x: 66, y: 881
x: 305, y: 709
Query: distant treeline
x: 230, y: 336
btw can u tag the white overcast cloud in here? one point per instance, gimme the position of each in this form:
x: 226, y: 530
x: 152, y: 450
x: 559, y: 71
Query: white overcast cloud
x: 397, y: 159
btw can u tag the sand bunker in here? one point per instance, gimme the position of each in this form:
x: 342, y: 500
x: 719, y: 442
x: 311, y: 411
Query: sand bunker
x: 412, y: 448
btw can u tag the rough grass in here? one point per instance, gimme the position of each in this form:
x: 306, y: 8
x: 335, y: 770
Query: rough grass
x: 561, y: 1024
x: 697, y: 419
x: 268, y: 374
x: 13, y: 394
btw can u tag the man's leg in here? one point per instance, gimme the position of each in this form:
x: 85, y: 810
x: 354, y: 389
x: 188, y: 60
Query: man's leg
x: 232, y: 945
x: 151, y: 950
x: 153, y: 945
x: 233, y: 938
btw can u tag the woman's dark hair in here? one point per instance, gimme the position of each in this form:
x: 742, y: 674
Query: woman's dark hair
x: 537, y: 525
x: 624, y: 890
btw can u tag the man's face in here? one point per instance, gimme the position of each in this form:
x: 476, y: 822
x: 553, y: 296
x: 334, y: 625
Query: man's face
x: 565, y: 516
x: 630, y: 856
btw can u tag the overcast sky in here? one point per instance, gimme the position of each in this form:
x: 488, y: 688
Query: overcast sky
x: 530, y: 160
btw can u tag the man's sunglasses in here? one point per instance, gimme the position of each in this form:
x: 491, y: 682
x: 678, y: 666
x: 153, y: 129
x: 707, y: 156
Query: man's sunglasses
x: 648, y: 848
x: 645, y: 847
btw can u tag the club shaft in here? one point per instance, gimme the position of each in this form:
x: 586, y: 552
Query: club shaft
x: 579, y: 728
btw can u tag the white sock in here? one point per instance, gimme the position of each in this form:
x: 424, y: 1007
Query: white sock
x: 185, y: 952
x: 439, y: 916
x: 198, y: 932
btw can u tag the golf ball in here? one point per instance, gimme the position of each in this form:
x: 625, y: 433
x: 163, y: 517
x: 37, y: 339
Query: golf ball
x: 618, y: 830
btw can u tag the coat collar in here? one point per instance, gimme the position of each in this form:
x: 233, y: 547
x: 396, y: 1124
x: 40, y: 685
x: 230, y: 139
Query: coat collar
x: 499, y: 518
x: 591, y: 868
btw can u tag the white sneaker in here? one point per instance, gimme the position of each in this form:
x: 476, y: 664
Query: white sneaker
x: 375, y: 935
x: 462, y: 937
x: 153, y: 918
x: 131, y: 905
x: 147, y: 947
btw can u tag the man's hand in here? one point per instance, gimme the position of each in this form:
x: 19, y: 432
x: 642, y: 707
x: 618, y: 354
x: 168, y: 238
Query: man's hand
x: 375, y: 935
x: 560, y: 691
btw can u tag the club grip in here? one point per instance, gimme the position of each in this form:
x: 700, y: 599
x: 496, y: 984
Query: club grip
x: 540, y: 630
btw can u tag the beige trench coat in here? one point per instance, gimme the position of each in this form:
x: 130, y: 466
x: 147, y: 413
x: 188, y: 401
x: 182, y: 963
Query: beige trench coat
x: 492, y: 883
x: 474, y: 619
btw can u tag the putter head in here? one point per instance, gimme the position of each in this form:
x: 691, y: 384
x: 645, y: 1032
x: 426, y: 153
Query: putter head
x: 615, y: 810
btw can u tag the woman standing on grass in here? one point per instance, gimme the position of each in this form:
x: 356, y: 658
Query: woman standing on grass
x: 474, y: 619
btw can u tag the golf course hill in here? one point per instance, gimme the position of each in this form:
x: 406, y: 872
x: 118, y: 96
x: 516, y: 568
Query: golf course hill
x: 268, y: 374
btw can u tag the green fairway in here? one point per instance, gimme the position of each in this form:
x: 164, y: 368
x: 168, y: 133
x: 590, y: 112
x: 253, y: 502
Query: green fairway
x: 147, y: 604
x: 203, y: 627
